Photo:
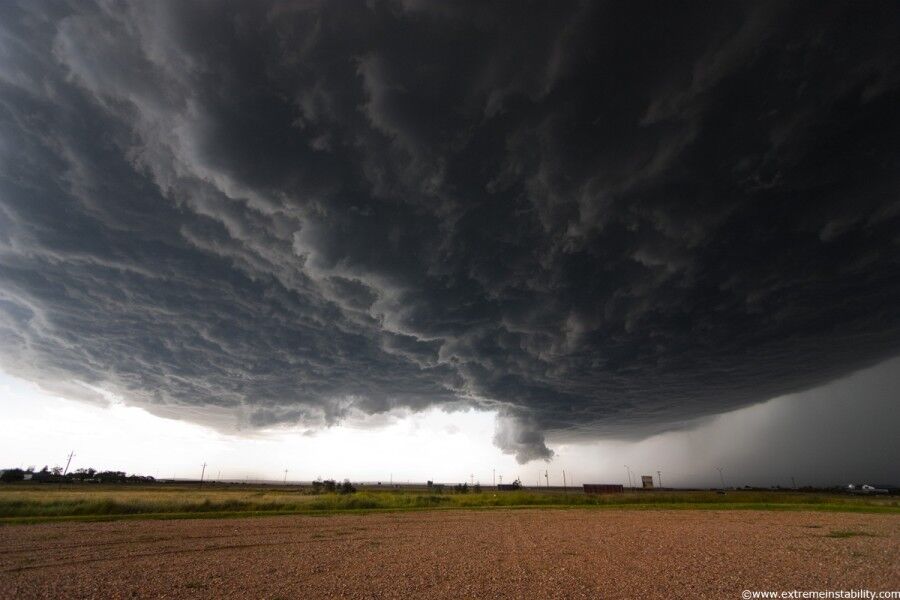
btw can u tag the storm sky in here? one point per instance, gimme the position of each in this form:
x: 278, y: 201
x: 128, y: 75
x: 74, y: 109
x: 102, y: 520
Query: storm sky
x: 598, y: 220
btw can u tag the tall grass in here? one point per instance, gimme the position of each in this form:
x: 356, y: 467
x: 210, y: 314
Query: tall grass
x: 38, y: 503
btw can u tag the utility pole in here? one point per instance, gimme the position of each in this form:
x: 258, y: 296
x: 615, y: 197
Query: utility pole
x: 494, y: 477
x: 630, y: 485
x: 547, y: 477
x: 565, y: 487
x: 285, y: 476
x: 219, y: 476
x: 472, y: 478
x: 68, y: 462
x: 721, y: 477
x: 659, y: 475
x: 794, y: 482
x: 501, y: 480
x: 202, y: 473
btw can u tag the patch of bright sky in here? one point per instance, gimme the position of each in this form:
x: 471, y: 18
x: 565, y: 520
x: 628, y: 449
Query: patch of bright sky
x: 39, y: 429
x: 838, y: 433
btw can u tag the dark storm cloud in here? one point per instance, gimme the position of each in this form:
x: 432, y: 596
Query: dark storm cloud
x: 592, y: 217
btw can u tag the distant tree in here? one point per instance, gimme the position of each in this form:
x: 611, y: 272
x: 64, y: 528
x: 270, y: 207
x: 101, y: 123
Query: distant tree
x: 347, y: 487
x: 111, y: 476
x: 317, y: 486
x: 57, y: 470
x: 82, y: 474
x: 10, y: 475
x: 330, y: 485
x: 517, y: 484
x: 476, y: 489
x: 461, y: 488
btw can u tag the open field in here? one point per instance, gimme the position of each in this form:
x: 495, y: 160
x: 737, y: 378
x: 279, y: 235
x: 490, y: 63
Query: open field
x: 500, y: 553
x: 35, y: 503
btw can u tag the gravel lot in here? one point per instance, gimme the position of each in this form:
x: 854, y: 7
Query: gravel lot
x: 480, y: 554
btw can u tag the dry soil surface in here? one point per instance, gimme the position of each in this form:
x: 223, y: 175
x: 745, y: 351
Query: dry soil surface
x: 479, y: 554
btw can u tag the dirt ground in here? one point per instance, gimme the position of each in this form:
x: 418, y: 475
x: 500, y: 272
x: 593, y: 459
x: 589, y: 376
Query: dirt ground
x: 442, y: 554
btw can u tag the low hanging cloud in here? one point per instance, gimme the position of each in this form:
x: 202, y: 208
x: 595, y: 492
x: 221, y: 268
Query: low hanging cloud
x: 593, y: 218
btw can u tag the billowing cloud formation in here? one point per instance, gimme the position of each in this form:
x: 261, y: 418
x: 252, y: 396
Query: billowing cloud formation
x: 595, y: 218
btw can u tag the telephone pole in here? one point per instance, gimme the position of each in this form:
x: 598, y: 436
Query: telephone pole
x: 722, y: 477
x: 565, y: 487
x: 202, y: 473
x: 659, y: 475
x: 630, y: 485
x: 285, y: 476
x: 547, y: 477
x: 68, y: 462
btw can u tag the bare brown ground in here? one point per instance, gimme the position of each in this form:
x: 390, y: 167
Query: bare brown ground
x: 480, y: 554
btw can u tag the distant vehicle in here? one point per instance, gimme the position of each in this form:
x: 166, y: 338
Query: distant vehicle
x: 865, y: 489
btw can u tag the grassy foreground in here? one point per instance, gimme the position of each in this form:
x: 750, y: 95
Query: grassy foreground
x: 31, y: 503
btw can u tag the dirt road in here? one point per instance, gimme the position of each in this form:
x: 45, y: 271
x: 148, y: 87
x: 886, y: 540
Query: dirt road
x: 479, y: 554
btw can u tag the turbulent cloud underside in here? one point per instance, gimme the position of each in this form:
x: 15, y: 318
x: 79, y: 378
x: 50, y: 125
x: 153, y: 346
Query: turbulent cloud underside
x: 595, y: 218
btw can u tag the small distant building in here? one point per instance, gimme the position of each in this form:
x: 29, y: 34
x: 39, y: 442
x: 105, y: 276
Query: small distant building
x: 603, y: 488
x: 866, y: 489
x: 647, y: 482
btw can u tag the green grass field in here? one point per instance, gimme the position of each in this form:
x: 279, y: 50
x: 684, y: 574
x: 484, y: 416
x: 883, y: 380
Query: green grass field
x: 23, y: 503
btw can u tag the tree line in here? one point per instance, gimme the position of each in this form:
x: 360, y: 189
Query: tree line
x: 56, y: 475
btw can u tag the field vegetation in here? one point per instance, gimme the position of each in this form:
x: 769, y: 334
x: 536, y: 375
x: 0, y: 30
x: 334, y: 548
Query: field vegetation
x: 32, y: 503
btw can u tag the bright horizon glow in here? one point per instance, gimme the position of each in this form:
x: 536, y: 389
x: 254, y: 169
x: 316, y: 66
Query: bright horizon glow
x: 39, y: 428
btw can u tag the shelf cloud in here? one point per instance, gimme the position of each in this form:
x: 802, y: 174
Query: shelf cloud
x: 597, y: 219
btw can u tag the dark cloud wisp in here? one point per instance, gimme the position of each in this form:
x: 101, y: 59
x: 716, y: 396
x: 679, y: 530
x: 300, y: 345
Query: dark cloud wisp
x: 594, y: 218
